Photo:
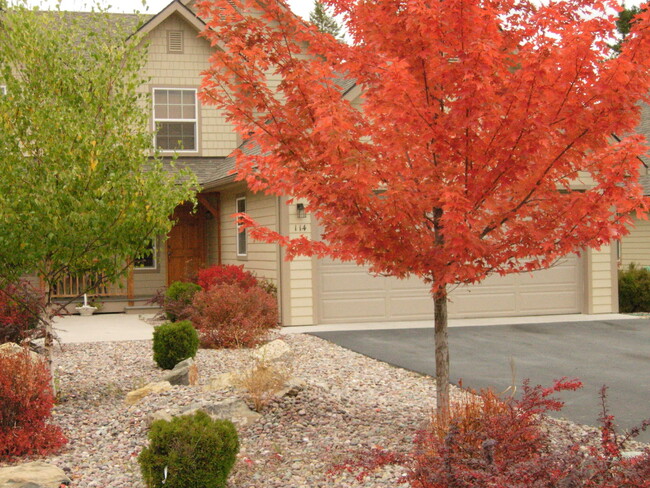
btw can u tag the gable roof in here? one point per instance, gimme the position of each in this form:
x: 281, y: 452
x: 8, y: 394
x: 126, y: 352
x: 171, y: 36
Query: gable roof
x: 174, y: 7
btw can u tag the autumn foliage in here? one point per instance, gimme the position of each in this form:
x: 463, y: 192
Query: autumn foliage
x: 491, y: 441
x: 448, y: 140
x: 225, y: 274
x: 26, y: 402
x: 479, y: 120
x: 230, y: 315
x: 20, y: 305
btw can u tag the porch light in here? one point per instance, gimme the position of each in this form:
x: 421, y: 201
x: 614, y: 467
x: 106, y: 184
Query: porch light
x: 300, y: 210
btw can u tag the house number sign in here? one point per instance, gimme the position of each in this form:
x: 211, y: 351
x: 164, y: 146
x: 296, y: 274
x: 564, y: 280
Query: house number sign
x: 300, y: 227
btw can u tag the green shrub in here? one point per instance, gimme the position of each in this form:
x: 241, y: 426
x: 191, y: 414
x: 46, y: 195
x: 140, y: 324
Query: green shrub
x: 178, y: 297
x: 634, y: 289
x: 174, y: 342
x: 197, y: 451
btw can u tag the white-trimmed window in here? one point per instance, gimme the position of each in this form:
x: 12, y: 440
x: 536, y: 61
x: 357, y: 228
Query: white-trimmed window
x: 242, y: 238
x: 3, y: 90
x: 175, y: 119
x: 149, y: 259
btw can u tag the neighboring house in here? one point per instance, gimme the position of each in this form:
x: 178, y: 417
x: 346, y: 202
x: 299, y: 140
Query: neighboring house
x: 310, y: 291
x: 635, y: 247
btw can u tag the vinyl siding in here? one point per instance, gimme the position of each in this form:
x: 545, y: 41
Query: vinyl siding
x: 601, y: 286
x: 147, y: 281
x: 165, y: 70
x: 262, y: 258
x: 635, y: 247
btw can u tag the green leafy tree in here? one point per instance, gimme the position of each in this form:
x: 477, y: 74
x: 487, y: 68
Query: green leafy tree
x: 325, y: 22
x: 624, y: 25
x: 80, y: 193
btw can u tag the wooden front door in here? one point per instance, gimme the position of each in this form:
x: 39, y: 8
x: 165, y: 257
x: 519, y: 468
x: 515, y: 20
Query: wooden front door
x: 186, y: 248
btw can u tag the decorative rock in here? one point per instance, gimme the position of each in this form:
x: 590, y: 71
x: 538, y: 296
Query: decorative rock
x: 273, y: 351
x: 31, y: 475
x: 184, y: 373
x: 221, y: 382
x: 160, y: 415
x: 292, y: 387
x: 11, y: 349
x: 232, y: 409
x: 135, y: 396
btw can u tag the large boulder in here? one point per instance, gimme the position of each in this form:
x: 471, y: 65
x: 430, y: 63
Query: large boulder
x: 32, y: 475
x: 276, y: 350
x: 135, y: 396
x: 184, y: 373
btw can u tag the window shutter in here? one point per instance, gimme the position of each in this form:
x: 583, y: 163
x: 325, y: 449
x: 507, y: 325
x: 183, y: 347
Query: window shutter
x: 175, y: 42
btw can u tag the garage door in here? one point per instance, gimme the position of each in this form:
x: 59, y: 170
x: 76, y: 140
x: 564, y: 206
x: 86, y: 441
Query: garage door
x: 348, y: 293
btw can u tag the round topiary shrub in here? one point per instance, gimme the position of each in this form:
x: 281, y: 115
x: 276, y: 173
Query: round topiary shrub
x: 174, y: 342
x: 191, y: 451
x: 178, y: 297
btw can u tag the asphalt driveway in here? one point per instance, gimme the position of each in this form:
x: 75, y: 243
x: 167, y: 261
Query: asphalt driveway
x: 613, y: 353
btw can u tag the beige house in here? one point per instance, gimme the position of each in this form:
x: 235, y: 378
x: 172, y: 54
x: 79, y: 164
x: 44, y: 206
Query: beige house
x: 311, y: 291
x: 635, y: 247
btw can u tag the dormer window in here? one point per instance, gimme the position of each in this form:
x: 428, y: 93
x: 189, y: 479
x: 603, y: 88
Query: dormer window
x: 175, y: 119
x: 175, y: 42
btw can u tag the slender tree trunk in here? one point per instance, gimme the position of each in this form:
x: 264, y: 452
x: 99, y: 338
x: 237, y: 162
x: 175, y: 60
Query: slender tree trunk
x: 48, y: 334
x: 442, y: 353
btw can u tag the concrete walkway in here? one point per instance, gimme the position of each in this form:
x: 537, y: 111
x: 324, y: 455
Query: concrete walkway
x: 130, y: 327
x: 105, y: 327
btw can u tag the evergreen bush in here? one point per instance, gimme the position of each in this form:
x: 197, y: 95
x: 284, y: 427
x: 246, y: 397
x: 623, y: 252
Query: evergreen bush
x: 178, y: 297
x: 192, y: 451
x: 634, y: 289
x: 174, y: 342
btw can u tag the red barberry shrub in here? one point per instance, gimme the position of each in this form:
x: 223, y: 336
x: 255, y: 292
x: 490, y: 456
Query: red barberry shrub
x: 26, y: 402
x: 226, y: 274
x: 20, y: 304
x: 486, y: 440
x: 490, y: 442
x: 230, y: 315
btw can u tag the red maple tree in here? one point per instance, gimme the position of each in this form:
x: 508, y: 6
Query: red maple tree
x: 480, y: 120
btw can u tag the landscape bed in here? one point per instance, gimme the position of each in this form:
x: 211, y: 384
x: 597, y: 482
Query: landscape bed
x: 350, y: 404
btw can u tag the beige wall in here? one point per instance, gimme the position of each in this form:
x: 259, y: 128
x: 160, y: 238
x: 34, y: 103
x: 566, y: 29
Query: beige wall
x: 601, y: 285
x: 262, y: 258
x: 635, y: 247
x: 165, y: 70
x: 147, y: 281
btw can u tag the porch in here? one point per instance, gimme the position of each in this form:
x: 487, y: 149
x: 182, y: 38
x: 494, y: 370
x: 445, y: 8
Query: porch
x: 191, y: 245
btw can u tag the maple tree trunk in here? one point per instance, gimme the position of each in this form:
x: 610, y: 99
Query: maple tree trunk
x: 442, y: 353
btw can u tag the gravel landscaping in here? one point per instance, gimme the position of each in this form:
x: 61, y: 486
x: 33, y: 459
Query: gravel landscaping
x: 351, y: 403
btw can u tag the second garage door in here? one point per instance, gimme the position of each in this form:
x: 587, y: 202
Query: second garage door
x: 348, y: 293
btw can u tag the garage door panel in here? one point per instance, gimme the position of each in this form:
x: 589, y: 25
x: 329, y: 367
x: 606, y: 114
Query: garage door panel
x: 349, y: 293
x: 561, y: 301
x: 410, y: 307
x: 343, y: 309
x: 341, y: 282
x: 481, y: 303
